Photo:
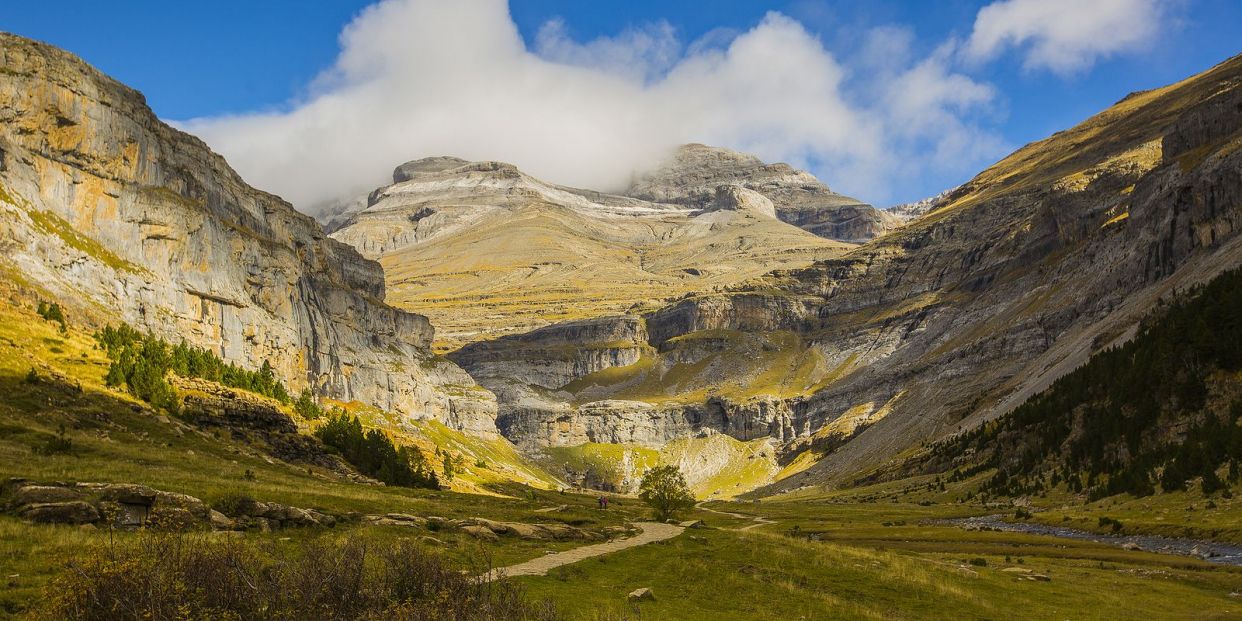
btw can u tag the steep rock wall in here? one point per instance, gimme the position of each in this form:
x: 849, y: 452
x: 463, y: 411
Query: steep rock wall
x: 123, y: 218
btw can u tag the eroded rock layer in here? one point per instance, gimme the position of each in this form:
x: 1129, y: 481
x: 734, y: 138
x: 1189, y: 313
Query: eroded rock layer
x: 122, y: 218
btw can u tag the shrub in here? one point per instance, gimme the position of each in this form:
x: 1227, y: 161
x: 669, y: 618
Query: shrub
x: 306, y: 406
x: 664, y: 489
x: 32, y: 376
x: 58, y: 444
x: 1106, y: 521
x: 165, y: 577
x: 52, y: 312
x: 979, y: 562
x: 234, y: 503
x: 141, y: 363
x: 374, y: 455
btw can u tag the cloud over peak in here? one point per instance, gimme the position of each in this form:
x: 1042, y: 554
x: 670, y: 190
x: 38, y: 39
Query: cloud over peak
x: 417, y: 78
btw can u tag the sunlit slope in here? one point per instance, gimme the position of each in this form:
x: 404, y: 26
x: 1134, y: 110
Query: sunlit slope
x: 485, y: 250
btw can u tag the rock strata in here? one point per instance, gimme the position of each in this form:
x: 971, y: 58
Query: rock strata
x: 123, y: 218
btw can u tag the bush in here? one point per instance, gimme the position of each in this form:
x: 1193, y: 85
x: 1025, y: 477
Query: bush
x: 58, y: 444
x: 161, y: 578
x: 52, y: 312
x: 374, y: 455
x: 141, y: 363
x: 235, y: 503
x: 306, y: 406
x: 32, y: 376
x: 1106, y: 521
x: 979, y: 562
x: 664, y: 489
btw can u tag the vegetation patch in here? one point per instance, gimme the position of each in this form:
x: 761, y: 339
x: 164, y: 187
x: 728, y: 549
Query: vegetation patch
x: 189, y: 577
x: 1158, y: 410
x: 375, y: 455
x: 53, y: 224
x: 141, y: 364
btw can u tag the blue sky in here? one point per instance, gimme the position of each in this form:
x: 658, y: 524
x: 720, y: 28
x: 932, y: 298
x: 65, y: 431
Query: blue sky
x: 235, y: 66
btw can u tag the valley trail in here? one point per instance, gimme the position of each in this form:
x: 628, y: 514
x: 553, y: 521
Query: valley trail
x: 758, y: 520
x: 651, y: 532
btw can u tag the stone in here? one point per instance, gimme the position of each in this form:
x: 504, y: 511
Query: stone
x: 692, y: 524
x: 640, y: 595
x: 38, y: 494
x: 220, y: 521
x: 480, y: 532
x: 72, y: 512
x: 128, y: 493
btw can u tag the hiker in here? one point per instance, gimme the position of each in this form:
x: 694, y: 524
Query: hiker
x: 603, y: 502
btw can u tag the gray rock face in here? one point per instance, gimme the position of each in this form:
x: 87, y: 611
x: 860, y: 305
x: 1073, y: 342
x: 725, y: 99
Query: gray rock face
x: 123, y: 218
x: 696, y: 175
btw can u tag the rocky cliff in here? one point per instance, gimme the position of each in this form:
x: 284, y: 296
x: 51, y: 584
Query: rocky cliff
x: 122, y: 218
x: 1014, y: 279
x: 695, y: 174
x: 485, y: 249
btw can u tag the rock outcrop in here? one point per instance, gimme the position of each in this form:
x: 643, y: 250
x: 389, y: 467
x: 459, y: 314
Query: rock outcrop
x: 696, y: 174
x: 123, y: 218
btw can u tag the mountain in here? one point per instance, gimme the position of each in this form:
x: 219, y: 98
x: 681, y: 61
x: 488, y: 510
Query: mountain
x: 484, y: 249
x: 1019, y: 276
x: 121, y: 218
x: 694, y: 174
x: 910, y: 211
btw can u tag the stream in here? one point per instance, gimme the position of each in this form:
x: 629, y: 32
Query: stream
x: 1210, y: 551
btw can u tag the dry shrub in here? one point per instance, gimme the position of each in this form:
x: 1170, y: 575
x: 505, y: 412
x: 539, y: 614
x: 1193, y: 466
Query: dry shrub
x: 166, y: 577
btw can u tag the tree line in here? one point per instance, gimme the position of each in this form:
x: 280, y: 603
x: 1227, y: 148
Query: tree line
x: 141, y: 362
x: 1135, y: 418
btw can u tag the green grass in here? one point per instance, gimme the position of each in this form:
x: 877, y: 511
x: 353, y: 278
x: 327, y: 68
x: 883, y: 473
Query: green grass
x: 715, y: 574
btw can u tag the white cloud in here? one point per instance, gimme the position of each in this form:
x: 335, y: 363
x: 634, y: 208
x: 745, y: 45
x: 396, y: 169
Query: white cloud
x: 642, y: 54
x: 421, y: 77
x: 1064, y: 36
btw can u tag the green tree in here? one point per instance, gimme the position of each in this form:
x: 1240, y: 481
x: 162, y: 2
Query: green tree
x: 664, y: 489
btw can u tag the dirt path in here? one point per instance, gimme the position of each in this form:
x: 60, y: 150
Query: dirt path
x: 758, y: 521
x: 651, y: 532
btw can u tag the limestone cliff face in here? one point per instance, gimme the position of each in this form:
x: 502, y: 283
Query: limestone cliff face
x: 1016, y: 278
x: 123, y: 218
x: 696, y: 174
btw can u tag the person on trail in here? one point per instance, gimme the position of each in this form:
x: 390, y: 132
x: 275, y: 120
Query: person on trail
x: 603, y: 502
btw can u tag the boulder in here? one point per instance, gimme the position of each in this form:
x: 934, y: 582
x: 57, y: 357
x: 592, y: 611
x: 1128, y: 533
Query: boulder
x: 72, y: 512
x: 128, y: 493
x: 640, y: 594
x: 527, y: 531
x: 220, y: 521
x: 41, y: 494
x: 480, y: 532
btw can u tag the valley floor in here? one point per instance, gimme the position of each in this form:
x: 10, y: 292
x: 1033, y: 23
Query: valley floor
x: 873, y: 552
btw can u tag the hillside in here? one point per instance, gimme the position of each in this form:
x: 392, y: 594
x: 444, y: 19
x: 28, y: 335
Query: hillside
x: 484, y: 249
x: 1017, y: 277
x: 1156, y: 413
